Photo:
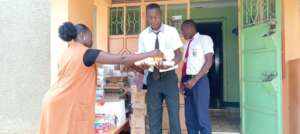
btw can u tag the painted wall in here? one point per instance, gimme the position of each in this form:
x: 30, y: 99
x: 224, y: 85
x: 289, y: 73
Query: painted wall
x: 82, y: 11
x: 24, y: 63
x: 102, y: 26
x: 230, y: 46
x: 291, y: 55
x: 59, y: 14
x: 292, y: 29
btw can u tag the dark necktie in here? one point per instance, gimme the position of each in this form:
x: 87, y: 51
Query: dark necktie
x: 156, y: 74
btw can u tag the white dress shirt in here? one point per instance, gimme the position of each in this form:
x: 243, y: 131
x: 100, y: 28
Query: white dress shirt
x: 169, y: 41
x: 199, y: 47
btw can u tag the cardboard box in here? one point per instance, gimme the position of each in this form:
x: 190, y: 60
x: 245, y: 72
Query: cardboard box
x: 165, y: 132
x: 139, y: 106
x: 137, y: 131
x: 138, y: 122
x: 181, y: 99
x: 138, y: 97
x: 116, y: 81
x: 138, y: 118
x: 138, y: 101
x: 139, y: 112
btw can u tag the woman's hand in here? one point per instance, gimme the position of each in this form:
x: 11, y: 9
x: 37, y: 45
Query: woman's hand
x: 144, y: 66
x: 160, y: 65
x: 156, y: 53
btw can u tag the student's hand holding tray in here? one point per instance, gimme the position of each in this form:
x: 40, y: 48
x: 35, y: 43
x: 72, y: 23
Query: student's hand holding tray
x: 165, y: 64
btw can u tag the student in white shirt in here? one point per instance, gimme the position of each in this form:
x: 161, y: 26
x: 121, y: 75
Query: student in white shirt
x: 198, y: 57
x: 161, y: 79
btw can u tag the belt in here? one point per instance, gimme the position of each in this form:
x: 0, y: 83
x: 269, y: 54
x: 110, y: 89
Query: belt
x: 164, y: 73
x: 190, y: 76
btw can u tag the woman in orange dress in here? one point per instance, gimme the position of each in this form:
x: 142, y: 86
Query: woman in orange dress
x: 68, y: 107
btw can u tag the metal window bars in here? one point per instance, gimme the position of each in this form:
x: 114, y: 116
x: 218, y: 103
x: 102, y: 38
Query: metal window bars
x: 258, y: 12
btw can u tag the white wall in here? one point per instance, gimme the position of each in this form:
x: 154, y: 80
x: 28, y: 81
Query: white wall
x: 24, y: 63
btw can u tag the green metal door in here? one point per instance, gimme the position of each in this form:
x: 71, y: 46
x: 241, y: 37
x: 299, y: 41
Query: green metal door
x: 260, y: 63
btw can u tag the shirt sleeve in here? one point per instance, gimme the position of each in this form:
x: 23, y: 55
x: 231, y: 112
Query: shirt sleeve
x: 90, y: 56
x: 176, y: 40
x: 208, y: 45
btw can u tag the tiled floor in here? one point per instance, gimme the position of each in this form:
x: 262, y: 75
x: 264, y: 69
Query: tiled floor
x: 225, y: 121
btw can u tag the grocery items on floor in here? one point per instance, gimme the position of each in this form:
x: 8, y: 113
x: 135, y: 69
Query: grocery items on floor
x: 110, y: 101
x: 138, y: 118
x: 119, y: 98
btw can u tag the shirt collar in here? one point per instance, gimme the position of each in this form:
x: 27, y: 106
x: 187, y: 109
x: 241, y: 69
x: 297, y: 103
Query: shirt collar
x: 161, y: 29
x: 197, y: 35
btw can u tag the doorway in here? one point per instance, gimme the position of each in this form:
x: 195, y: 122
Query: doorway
x: 215, y: 75
x: 223, y: 119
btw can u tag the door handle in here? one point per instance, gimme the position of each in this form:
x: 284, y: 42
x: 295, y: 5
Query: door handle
x: 272, y: 28
x: 269, y: 76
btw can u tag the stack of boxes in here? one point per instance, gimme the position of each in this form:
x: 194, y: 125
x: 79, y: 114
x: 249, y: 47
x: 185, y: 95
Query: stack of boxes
x: 101, y: 123
x: 138, y: 120
x: 110, y: 113
x: 117, y: 81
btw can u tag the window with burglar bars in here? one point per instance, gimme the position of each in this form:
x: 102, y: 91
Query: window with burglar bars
x: 132, y: 23
x: 133, y: 19
x: 116, y: 21
x: 128, y: 17
x: 258, y: 12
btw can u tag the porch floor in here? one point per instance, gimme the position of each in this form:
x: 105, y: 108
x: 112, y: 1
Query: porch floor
x: 225, y: 121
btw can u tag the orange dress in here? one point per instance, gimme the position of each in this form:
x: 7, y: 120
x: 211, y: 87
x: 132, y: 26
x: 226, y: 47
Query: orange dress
x: 68, y: 107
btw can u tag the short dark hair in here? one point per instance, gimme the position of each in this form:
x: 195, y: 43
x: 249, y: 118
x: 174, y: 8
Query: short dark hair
x: 189, y: 22
x: 153, y: 6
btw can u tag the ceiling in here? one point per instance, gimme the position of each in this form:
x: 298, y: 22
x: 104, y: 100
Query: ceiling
x: 194, y: 3
x: 213, y: 3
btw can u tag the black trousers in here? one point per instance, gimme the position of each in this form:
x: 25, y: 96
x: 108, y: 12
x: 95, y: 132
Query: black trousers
x: 165, y: 88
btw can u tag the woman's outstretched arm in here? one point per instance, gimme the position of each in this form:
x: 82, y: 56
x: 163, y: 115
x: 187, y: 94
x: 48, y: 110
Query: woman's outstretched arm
x: 108, y: 58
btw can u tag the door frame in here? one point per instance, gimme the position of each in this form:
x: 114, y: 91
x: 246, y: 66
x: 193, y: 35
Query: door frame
x: 220, y: 102
x: 224, y: 31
